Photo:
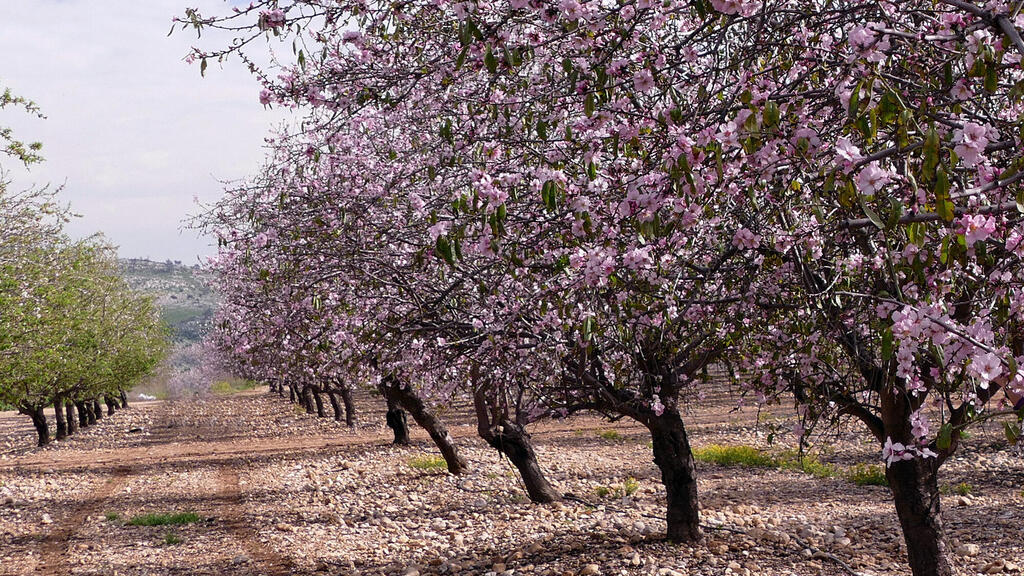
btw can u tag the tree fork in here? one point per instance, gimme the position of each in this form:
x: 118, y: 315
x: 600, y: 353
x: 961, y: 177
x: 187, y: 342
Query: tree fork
x: 407, y: 398
x: 513, y: 442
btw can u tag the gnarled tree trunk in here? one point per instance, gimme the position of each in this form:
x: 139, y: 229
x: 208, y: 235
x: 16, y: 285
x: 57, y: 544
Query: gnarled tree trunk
x: 407, y: 398
x: 513, y: 441
x: 318, y: 399
x: 124, y: 399
x: 83, y: 414
x: 58, y: 416
x: 350, y: 406
x: 674, y: 459
x: 915, y: 491
x: 97, y: 409
x: 38, y: 416
x: 396, y: 420
x: 111, y: 405
x: 335, y: 404
x: 69, y: 409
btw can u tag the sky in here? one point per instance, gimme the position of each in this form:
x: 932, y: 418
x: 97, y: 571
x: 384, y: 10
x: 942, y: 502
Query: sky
x: 132, y: 132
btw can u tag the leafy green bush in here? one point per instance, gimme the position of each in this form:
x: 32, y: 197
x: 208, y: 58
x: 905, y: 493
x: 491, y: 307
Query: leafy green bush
x: 610, y: 435
x: 734, y: 456
x: 867, y: 475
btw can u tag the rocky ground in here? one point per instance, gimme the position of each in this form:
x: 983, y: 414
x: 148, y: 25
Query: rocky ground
x: 280, y: 492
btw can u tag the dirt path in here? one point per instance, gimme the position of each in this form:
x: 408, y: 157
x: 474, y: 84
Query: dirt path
x: 273, y: 491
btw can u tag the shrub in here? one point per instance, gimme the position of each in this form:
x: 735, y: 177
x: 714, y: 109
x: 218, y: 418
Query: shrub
x: 610, y: 435
x: 170, y: 538
x: 113, y: 516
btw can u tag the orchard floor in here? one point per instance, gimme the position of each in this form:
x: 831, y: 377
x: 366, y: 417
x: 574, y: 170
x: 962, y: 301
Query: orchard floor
x: 280, y: 492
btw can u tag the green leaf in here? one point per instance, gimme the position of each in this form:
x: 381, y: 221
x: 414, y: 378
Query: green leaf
x: 1012, y: 433
x: 202, y: 67
x: 444, y: 250
x: 943, y: 201
x: 589, y: 105
x: 887, y: 342
x: 991, y: 81
x: 871, y: 214
x: 945, y: 437
x: 931, y: 153
x: 462, y: 57
x: 490, y: 61
x: 770, y: 116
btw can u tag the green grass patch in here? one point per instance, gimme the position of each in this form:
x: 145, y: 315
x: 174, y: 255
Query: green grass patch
x: 867, y: 475
x: 628, y: 487
x: 231, y: 386
x: 112, y: 516
x: 723, y: 455
x: 165, y: 519
x: 610, y: 435
x: 171, y: 539
x: 961, y: 489
x: 427, y: 463
x: 734, y: 456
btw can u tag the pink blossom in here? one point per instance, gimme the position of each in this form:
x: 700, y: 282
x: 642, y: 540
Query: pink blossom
x: 438, y: 230
x: 972, y: 140
x: 872, y: 178
x: 987, y: 367
x: 976, y: 228
x: 643, y: 81
x: 746, y: 239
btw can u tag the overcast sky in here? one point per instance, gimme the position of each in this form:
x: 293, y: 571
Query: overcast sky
x: 133, y: 131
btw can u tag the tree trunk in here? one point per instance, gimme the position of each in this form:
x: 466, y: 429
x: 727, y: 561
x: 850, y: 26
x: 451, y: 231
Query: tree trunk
x: 673, y: 457
x: 124, y: 399
x: 111, y: 406
x: 915, y: 491
x: 407, y: 398
x: 83, y: 414
x: 307, y: 399
x: 69, y: 408
x: 319, y: 402
x: 513, y: 441
x: 97, y: 409
x: 38, y: 416
x: 58, y: 416
x: 350, y: 407
x: 293, y: 397
x: 335, y: 404
x: 395, y: 419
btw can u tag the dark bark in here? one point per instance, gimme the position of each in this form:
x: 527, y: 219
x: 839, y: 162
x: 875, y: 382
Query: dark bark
x: 292, y: 395
x: 307, y: 399
x: 111, y: 406
x: 674, y: 459
x: 396, y: 420
x: 513, y: 441
x: 83, y: 413
x: 350, y: 406
x: 72, y: 420
x: 59, y: 417
x: 915, y: 491
x: 97, y: 409
x: 124, y: 399
x: 407, y: 398
x: 318, y: 399
x: 335, y: 404
x: 38, y: 416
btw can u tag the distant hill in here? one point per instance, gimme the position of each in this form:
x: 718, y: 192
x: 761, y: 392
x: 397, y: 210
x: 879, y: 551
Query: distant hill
x: 182, y: 292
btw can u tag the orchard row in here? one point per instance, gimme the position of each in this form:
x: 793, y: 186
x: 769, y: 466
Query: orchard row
x: 560, y: 206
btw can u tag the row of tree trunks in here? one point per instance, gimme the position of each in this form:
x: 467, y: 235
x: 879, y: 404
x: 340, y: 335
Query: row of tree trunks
x: 65, y: 418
